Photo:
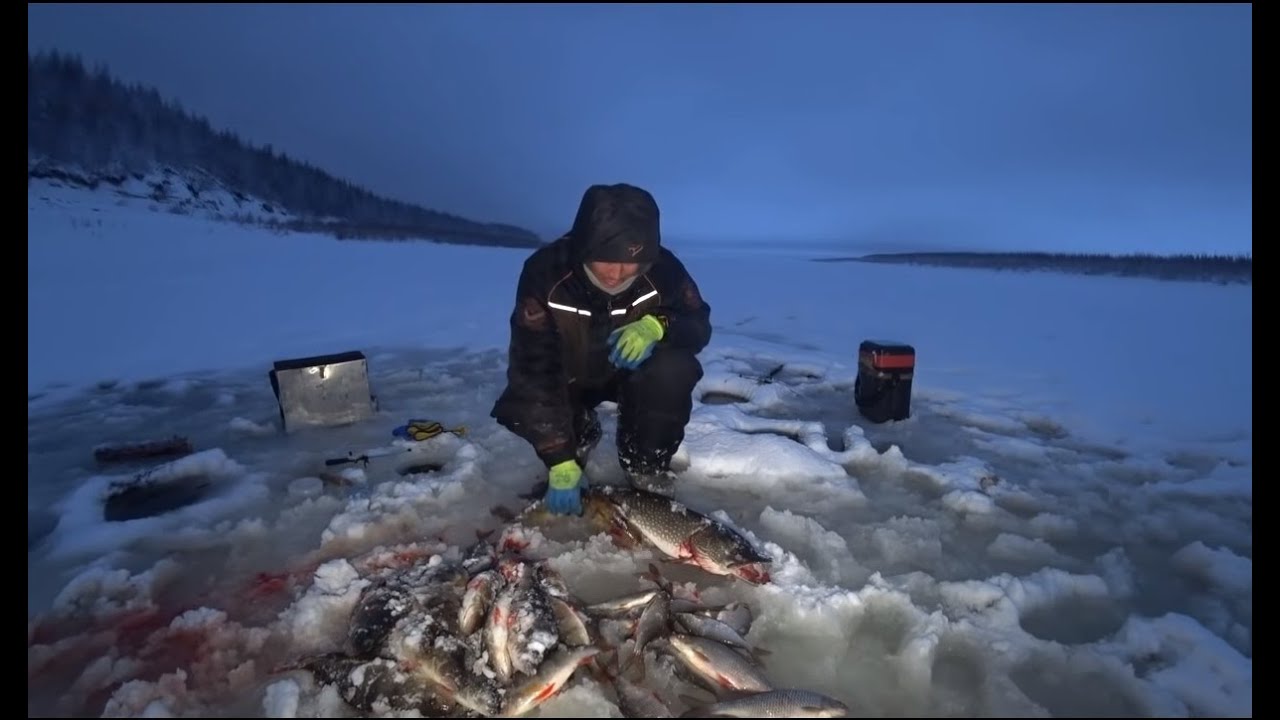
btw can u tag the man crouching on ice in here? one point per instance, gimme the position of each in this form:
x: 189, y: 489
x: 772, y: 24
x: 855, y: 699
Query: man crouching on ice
x: 604, y: 313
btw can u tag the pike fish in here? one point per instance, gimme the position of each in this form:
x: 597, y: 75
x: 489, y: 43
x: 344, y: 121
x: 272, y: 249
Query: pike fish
x: 681, y: 533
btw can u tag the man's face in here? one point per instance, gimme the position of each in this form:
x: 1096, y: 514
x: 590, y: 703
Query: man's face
x: 613, y: 274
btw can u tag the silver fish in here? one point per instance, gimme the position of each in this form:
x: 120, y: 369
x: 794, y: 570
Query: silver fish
x: 717, y: 666
x: 480, y: 593
x: 712, y: 629
x: 552, y: 582
x: 575, y: 628
x: 619, y: 607
x: 684, y: 534
x: 786, y: 703
x: 552, y: 676
x: 497, y: 631
x: 653, y: 622
x: 534, y: 629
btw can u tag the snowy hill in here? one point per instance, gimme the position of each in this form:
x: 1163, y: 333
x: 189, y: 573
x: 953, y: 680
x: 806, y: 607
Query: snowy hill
x: 180, y: 192
x: 88, y: 130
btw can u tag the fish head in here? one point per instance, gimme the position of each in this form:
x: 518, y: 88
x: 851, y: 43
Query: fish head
x: 745, y: 552
x: 598, y: 508
x: 721, y: 550
x: 750, y: 564
x: 756, y: 573
x: 479, y: 557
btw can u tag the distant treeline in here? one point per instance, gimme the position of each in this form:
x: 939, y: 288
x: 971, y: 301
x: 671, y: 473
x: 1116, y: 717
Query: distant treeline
x: 87, y: 118
x: 1221, y: 269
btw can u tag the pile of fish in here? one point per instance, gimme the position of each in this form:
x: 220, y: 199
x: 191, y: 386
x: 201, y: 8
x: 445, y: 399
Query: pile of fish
x: 496, y: 633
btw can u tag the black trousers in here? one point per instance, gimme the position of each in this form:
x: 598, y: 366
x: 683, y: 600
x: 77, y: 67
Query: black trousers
x: 654, y: 404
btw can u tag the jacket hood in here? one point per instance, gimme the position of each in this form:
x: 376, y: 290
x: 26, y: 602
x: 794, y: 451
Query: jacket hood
x: 616, y: 223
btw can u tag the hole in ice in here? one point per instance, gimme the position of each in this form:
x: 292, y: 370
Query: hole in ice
x: 1055, y: 686
x: 775, y: 431
x: 1074, y: 620
x: 136, y: 500
x: 420, y: 468
x: 835, y: 442
x: 716, y: 397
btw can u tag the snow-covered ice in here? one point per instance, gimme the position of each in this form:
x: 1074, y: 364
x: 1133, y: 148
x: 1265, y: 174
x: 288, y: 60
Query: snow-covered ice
x: 1063, y: 526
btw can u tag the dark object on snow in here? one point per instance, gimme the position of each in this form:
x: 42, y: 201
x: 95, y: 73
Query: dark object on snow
x: 366, y: 455
x: 324, y: 390
x: 145, y: 496
x: 421, y: 468
x: 176, y: 446
x: 883, y: 387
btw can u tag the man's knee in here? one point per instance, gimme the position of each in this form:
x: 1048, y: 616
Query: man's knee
x: 670, y: 367
x: 505, y: 412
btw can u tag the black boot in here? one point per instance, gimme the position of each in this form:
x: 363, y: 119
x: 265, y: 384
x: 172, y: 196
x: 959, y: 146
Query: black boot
x: 654, y: 405
x: 660, y: 483
x: 586, y: 428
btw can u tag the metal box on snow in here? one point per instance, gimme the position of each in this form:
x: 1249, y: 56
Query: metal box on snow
x: 323, y: 390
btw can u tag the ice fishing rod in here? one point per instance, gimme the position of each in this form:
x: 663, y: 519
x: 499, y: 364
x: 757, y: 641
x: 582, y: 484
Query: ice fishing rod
x: 366, y: 455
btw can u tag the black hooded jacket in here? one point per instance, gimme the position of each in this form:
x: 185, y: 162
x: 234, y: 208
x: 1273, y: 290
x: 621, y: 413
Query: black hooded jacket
x: 561, y: 321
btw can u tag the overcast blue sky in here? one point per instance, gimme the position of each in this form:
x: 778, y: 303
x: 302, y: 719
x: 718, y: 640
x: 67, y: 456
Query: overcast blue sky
x: 870, y: 127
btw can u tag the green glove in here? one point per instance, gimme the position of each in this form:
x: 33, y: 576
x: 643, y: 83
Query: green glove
x: 565, y: 476
x: 633, y: 342
x: 564, y: 488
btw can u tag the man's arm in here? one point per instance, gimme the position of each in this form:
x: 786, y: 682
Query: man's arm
x: 684, y: 314
x: 536, y: 402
